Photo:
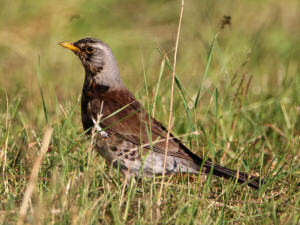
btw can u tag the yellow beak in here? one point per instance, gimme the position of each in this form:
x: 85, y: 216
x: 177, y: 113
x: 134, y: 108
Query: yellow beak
x: 70, y: 46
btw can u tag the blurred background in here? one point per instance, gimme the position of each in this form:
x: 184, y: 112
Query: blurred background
x: 259, y: 41
x: 247, y: 114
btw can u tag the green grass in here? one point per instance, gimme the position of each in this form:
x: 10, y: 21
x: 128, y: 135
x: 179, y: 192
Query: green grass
x: 240, y: 99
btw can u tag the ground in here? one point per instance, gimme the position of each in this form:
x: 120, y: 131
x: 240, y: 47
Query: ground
x: 236, y: 101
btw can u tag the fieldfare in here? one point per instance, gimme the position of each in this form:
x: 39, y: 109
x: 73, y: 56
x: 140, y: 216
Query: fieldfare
x: 126, y: 134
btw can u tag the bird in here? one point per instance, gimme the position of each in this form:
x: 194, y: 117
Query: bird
x: 127, y: 137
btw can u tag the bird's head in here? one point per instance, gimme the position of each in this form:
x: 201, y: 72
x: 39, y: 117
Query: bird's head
x: 97, y: 59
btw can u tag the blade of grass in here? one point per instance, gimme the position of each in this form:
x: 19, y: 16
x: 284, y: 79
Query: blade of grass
x: 34, y: 174
x: 171, y: 103
x: 158, y: 85
x: 206, y: 70
x: 178, y: 82
x: 216, y: 115
x: 41, y: 90
x: 182, y: 89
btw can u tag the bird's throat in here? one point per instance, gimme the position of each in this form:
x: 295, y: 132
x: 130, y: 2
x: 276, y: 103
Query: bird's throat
x: 92, y: 89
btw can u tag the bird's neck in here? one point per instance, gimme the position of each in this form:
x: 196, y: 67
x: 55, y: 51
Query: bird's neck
x: 105, y: 81
x: 108, y: 77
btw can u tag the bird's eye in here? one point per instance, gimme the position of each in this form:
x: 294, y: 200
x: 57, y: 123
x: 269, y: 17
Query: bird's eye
x: 90, y: 49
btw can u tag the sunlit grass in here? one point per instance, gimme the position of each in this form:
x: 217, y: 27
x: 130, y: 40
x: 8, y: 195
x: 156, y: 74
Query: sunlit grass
x: 246, y: 103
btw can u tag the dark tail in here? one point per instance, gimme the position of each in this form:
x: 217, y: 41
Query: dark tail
x: 221, y: 171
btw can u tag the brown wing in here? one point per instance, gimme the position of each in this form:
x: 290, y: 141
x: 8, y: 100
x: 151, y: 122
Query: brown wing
x: 134, y: 124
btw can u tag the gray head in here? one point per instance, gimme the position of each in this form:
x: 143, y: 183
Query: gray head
x: 98, y: 61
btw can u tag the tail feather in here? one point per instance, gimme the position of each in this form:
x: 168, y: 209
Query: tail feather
x: 221, y: 171
x: 253, y: 182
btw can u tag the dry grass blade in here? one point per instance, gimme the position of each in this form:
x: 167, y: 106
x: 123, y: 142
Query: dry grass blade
x: 34, y: 173
x: 171, y: 101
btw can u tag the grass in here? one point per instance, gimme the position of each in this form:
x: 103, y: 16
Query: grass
x: 236, y: 100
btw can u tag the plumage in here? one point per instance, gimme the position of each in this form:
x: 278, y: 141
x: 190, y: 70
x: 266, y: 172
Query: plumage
x: 127, y: 133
